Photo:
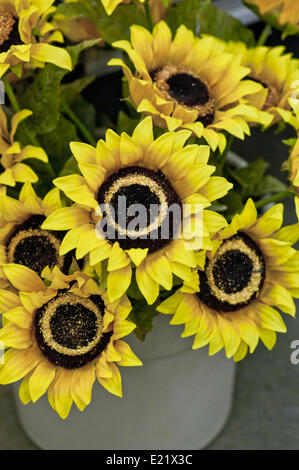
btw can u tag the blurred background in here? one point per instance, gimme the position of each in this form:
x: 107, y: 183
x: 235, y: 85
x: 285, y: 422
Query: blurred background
x: 265, y: 412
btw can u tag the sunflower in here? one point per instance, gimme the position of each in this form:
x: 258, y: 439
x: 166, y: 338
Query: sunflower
x: 140, y: 172
x: 76, y: 29
x: 22, y: 241
x: 285, y: 11
x: 25, y: 35
x: 157, y: 7
x: 63, y: 337
x: 292, y: 164
x: 12, y: 168
x: 189, y: 83
x: 276, y: 71
x: 251, y: 269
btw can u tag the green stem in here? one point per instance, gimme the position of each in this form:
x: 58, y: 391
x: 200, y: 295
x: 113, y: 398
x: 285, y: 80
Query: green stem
x: 227, y: 149
x: 264, y: 35
x: 276, y: 198
x: 84, y: 131
x: 149, y: 16
x: 30, y: 135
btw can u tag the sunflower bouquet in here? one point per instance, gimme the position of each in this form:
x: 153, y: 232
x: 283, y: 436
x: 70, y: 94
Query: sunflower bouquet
x: 119, y: 197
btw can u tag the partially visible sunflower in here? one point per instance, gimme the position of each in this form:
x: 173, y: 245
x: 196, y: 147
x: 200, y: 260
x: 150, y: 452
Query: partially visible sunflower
x: 276, y: 71
x: 157, y: 7
x: 162, y: 173
x: 292, y: 164
x: 25, y: 35
x: 63, y: 337
x: 76, y: 29
x: 251, y: 269
x: 12, y: 155
x: 22, y: 241
x: 188, y: 82
x: 284, y: 11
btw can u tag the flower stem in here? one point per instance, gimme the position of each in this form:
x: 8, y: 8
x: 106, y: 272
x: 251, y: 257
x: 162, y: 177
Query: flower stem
x: 16, y: 107
x: 264, y: 35
x: 276, y: 198
x: 84, y: 131
x: 229, y: 144
x: 149, y: 16
x: 30, y: 135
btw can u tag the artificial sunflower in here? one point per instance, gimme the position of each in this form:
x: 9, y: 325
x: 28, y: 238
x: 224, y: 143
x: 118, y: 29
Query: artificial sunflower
x: 188, y: 82
x: 63, y: 337
x: 276, y: 71
x: 138, y: 172
x: 285, y: 11
x: 251, y: 269
x: 25, y: 35
x: 76, y: 29
x: 292, y: 164
x: 157, y: 7
x: 22, y: 241
x: 12, y: 155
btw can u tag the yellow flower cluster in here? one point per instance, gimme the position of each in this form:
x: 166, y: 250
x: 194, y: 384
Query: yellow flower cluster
x: 69, y: 257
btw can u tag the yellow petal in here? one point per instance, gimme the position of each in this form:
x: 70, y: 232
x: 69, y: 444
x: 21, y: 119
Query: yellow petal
x: 66, y: 218
x: 113, y: 384
x: 23, y: 278
x: 118, y: 282
x: 40, y: 379
x: 128, y: 358
x: 48, y: 53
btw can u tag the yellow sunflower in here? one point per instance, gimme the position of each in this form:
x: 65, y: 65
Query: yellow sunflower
x: 25, y: 35
x: 63, y: 337
x: 276, y: 71
x: 22, y: 241
x: 188, y: 82
x: 286, y: 11
x: 12, y: 155
x: 251, y: 269
x: 138, y: 172
x: 292, y: 165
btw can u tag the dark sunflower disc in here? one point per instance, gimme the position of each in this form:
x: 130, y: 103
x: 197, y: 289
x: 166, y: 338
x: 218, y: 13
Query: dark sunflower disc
x: 68, y: 329
x: 133, y: 187
x: 235, y: 275
x: 35, y: 248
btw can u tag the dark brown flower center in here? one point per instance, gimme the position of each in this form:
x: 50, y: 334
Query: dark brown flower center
x: 187, y: 89
x: 35, y: 248
x: 141, y: 208
x: 273, y: 93
x: 9, y: 33
x: 235, y: 275
x: 69, y: 329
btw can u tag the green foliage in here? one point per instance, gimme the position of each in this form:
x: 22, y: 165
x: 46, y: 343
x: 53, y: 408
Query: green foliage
x: 142, y: 315
x: 112, y: 28
x: 204, y: 18
x: 249, y: 181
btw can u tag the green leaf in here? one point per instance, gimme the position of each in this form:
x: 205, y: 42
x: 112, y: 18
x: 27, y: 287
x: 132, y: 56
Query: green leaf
x: 70, y: 167
x: 112, y: 28
x: 269, y: 185
x: 43, y: 98
x: 125, y: 123
x: 250, y: 175
x: 142, y: 315
x: 234, y: 203
x: 204, y: 18
x: 56, y: 143
x: 71, y: 90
